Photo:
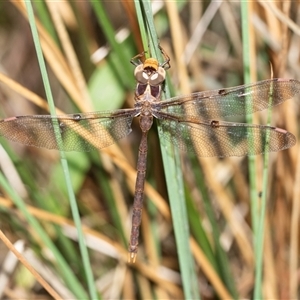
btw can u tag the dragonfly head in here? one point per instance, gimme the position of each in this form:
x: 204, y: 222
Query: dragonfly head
x: 150, y: 72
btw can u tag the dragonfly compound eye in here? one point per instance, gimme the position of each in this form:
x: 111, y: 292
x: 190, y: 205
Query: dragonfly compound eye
x: 158, y: 77
x: 140, y: 75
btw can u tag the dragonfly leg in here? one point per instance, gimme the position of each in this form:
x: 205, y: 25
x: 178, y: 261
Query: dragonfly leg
x: 136, y: 59
x: 166, y: 64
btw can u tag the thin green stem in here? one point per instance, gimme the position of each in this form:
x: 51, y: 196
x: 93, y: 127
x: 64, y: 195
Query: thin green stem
x: 247, y: 80
x: 72, y: 199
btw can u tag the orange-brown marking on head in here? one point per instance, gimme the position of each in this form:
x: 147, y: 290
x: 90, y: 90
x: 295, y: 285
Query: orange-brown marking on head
x: 151, y: 63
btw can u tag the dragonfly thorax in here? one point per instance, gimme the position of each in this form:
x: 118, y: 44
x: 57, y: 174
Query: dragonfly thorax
x: 147, y: 92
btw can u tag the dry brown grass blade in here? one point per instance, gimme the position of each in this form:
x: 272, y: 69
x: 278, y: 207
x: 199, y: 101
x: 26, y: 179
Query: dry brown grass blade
x: 85, y: 103
x: 27, y: 265
x: 209, y: 271
x: 294, y: 238
x: 237, y: 225
x: 62, y: 221
x: 178, y: 45
x: 269, y: 284
x: 34, y: 98
x: 55, y: 59
x: 270, y: 6
x: 151, y: 272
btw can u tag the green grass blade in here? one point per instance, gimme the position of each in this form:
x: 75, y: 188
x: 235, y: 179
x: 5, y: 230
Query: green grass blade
x: 251, y: 159
x: 257, y: 209
x: 262, y: 213
x: 73, y: 204
x: 247, y: 80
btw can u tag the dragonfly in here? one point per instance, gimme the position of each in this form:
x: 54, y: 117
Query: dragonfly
x: 191, y: 123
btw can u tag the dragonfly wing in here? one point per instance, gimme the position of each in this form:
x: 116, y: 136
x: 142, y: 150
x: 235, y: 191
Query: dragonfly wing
x: 79, y: 132
x: 240, y: 100
x: 224, y: 139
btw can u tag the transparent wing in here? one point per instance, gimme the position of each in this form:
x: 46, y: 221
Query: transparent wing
x: 79, y: 132
x: 224, y: 139
x: 240, y: 100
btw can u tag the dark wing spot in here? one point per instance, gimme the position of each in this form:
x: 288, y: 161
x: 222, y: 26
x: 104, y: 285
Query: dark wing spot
x: 222, y: 92
x: 77, y: 117
x: 215, y: 124
x: 62, y: 126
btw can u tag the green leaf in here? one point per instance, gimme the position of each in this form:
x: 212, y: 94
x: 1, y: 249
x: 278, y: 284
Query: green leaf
x: 105, y: 89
